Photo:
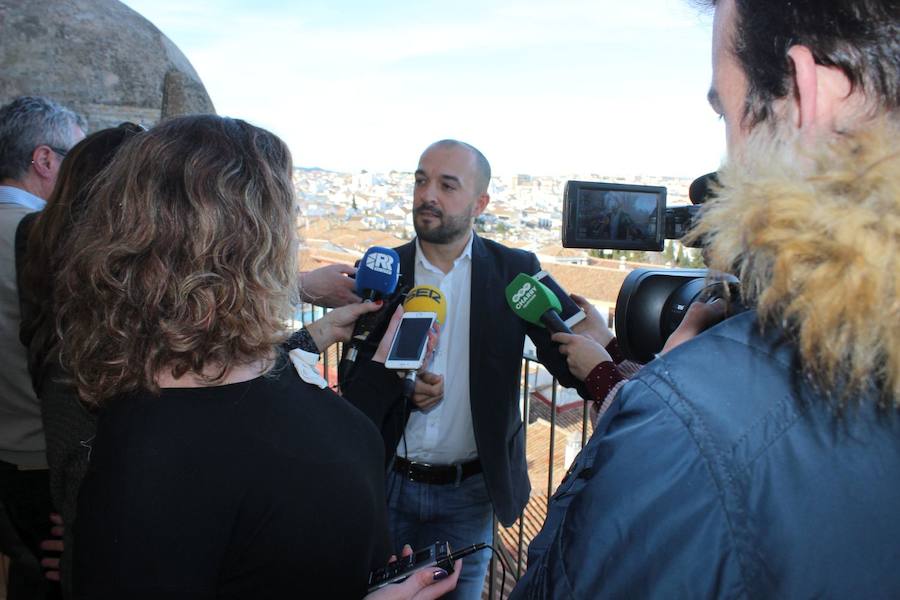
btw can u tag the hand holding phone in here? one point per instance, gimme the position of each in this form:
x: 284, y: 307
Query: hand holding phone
x: 436, y: 557
x: 384, y: 345
x: 410, y: 343
x: 595, y: 325
x: 571, y: 312
x: 425, y: 584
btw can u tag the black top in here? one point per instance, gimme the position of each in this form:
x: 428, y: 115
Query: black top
x: 270, y: 488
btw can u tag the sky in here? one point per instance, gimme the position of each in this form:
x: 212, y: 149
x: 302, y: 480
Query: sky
x: 551, y: 87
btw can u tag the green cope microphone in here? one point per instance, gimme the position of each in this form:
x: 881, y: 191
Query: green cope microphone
x: 534, y: 302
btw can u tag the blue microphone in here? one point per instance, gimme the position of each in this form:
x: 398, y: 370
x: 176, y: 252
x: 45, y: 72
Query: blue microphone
x: 376, y: 279
x: 377, y: 274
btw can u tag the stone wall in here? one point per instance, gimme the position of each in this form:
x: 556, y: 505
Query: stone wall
x: 98, y: 57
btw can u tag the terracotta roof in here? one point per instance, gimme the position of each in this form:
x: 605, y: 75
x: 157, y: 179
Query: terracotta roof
x: 319, y: 252
x: 557, y: 250
x: 597, y: 283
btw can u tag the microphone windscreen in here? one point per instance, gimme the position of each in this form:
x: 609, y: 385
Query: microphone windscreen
x: 701, y: 188
x: 426, y: 298
x: 378, y: 273
x: 530, y: 299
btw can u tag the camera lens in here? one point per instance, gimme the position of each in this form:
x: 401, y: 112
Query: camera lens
x: 653, y: 302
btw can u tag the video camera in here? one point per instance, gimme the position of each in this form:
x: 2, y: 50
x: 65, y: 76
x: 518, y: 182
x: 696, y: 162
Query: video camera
x: 613, y: 216
x: 651, y: 302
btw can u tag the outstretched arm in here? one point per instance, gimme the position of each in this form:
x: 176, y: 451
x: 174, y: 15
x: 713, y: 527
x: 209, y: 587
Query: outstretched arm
x: 329, y: 286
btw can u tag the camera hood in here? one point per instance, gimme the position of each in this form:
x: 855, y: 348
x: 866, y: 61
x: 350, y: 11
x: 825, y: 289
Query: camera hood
x: 652, y: 303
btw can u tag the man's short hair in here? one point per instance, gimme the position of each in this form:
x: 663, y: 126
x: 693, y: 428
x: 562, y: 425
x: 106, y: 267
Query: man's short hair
x: 28, y: 122
x: 481, y: 163
x: 860, y: 37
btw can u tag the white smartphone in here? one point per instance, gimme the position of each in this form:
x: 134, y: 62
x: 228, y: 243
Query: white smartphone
x: 571, y: 312
x: 410, y: 341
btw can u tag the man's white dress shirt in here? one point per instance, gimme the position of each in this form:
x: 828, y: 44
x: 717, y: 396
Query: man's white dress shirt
x: 443, y: 435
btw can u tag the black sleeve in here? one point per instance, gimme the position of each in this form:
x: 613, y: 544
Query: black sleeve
x: 374, y: 390
x: 378, y: 394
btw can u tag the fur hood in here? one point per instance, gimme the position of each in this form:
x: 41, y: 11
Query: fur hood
x: 814, y: 239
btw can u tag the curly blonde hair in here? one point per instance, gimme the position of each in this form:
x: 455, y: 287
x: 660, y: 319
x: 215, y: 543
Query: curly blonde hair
x: 185, y: 258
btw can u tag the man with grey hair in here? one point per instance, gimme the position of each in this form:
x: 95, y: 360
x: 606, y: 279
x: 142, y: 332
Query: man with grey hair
x: 35, y: 135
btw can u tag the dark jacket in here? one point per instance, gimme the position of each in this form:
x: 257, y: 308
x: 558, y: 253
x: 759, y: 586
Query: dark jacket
x: 760, y: 459
x: 69, y: 426
x: 496, y: 342
x: 737, y: 482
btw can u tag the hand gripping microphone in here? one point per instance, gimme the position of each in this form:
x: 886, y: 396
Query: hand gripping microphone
x: 534, y: 302
x: 376, y: 279
x: 427, y: 299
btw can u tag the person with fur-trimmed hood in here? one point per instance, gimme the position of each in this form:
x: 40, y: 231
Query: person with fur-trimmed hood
x: 760, y: 458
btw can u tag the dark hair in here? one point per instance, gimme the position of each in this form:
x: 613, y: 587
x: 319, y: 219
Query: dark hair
x: 185, y: 258
x: 860, y: 37
x: 52, y: 227
x: 28, y: 122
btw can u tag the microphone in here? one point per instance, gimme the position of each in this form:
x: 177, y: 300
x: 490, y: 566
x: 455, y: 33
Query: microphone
x: 376, y: 279
x: 426, y: 298
x: 701, y: 188
x: 534, y: 302
x: 378, y: 273
x: 422, y: 298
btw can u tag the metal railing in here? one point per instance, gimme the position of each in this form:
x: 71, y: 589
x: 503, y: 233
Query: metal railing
x: 512, y: 542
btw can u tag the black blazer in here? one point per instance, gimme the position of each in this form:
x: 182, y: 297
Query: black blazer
x: 496, y: 342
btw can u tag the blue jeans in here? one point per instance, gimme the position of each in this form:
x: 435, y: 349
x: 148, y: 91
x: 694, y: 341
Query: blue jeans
x: 421, y: 514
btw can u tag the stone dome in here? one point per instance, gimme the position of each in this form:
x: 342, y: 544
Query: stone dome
x: 99, y: 58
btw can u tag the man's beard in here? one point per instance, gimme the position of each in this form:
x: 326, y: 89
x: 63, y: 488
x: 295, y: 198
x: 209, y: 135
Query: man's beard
x: 774, y: 138
x: 450, y: 228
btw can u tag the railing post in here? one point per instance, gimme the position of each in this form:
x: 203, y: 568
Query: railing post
x: 585, y: 417
x: 493, y: 566
x: 324, y: 353
x: 552, y: 444
x: 526, y: 417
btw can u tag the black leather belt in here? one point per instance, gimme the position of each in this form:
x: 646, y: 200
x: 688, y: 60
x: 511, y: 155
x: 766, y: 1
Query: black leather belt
x: 436, y: 474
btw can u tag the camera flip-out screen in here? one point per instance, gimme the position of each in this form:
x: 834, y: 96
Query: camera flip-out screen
x: 613, y: 216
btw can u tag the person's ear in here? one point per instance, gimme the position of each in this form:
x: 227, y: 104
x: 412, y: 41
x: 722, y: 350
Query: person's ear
x: 42, y: 161
x: 819, y: 91
x: 481, y: 203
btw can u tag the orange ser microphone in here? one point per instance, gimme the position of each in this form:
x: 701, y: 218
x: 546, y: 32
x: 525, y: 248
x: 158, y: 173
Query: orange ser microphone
x: 426, y: 298
x: 422, y: 299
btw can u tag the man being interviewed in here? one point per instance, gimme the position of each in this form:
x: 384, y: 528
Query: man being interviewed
x: 458, y: 450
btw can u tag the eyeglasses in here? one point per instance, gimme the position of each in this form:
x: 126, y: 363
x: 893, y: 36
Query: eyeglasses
x: 127, y: 126
x: 132, y: 127
x: 62, y: 153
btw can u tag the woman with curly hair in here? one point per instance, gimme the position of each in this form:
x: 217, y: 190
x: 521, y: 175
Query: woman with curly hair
x: 216, y: 471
